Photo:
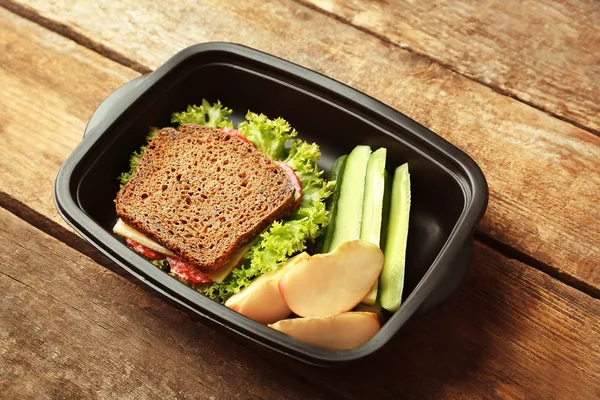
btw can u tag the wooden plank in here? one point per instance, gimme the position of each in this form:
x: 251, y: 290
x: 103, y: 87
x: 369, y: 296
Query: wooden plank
x: 544, y: 174
x: 510, y: 332
x: 69, y: 328
x: 543, y: 52
x: 50, y: 87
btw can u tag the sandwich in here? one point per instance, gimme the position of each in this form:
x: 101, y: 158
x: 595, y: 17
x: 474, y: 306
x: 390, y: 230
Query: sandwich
x: 216, y: 207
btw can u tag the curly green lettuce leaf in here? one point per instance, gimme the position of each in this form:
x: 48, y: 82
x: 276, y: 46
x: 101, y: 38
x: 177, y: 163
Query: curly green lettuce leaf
x: 161, y: 264
x: 268, y: 135
x: 152, y: 132
x: 292, y: 234
x: 135, y: 158
x: 283, y: 238
x: 215, y: 116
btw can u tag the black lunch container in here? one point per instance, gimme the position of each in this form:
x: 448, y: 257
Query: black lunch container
x: 449, y: 191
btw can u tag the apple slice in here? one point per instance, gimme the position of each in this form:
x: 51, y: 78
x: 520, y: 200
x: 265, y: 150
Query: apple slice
x: 343, y: 331
x: 375, y: 309
x: 332, y: 283
x: 261, y: 300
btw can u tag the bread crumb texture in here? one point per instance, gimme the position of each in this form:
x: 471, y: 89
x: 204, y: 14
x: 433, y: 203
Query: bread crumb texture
x: 202, y: 193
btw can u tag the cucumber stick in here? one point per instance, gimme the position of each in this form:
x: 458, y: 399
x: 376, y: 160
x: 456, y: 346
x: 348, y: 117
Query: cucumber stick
x: 348, y: 218
x: 335, y: 174
x: 386, y: 208
x: 392, y: 276
x: 372, y: 214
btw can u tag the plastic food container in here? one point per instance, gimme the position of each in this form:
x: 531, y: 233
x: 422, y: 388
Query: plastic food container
x: 449, y: 191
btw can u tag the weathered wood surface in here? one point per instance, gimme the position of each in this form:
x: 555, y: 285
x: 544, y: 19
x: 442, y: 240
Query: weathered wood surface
x: 544, y: 52
x: 544, y: 174
x: 70, y: 329
x: 50, y: 86
x: 510, y: 332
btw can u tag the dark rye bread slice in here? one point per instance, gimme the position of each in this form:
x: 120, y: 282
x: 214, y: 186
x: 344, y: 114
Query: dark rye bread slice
x: 202, y: 193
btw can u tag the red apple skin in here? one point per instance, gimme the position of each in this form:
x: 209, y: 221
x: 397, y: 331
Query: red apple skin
x: 263, y: 304
x: 262, y: 300
x: 235, y: 307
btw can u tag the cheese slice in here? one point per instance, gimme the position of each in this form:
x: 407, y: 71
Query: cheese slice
x: 121, y: 228
x: 220, y: 274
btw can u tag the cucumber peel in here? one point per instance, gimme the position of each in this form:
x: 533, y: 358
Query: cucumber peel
x: 348, y: 218
x: 335, y: 174
x: 387, y: 196
x: 372, y: 214
x: 392, y: 275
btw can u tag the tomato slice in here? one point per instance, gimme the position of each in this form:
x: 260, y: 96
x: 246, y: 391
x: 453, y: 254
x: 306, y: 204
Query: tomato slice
x: 295, y: 181
x: 143, y: 250
x: 187, y: 271
x: 238, y: 135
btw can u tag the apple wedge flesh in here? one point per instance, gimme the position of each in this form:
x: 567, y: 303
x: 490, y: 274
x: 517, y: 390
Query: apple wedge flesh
x: 261, y: 300
x: 343, y: 331
x: 375, y: 309
x: 332, y: 283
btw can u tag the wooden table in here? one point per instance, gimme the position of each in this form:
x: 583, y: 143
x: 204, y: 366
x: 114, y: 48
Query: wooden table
x: 516, y: 84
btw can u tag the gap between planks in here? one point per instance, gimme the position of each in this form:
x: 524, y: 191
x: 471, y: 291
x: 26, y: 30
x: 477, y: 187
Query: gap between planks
x: 71, y: 34
x: 447, y: 66
x: 79, y: 244
x: 526, y: 259
x: 76, y: 242
x: 117, y: 57
x: 60, y: 233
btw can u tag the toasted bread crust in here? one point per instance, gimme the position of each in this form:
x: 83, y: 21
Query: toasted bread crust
x: 203, y: 193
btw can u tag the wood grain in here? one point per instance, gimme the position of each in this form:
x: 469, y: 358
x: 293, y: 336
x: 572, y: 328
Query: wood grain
x: 543, y: 52
x: 50, y: 86
x: 544, y: 174
x: 70, y: 329
x: 510, y: 332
